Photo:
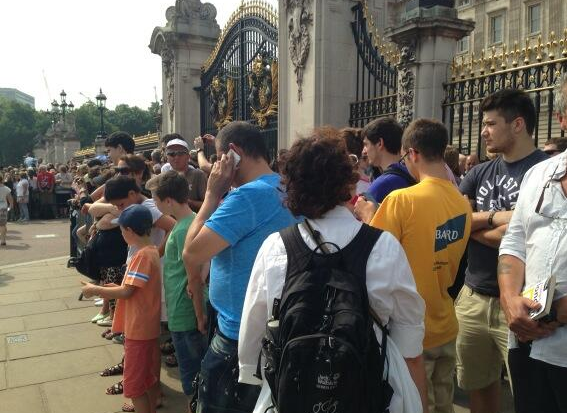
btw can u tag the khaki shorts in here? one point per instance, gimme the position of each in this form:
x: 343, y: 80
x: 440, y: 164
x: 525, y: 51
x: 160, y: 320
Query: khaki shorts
x: 482, y: 343
x: 440, y: 371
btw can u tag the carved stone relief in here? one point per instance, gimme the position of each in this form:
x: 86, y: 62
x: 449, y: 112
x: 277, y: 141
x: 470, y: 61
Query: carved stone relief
x: 299, y: 20
x: 263, y: 83
x: 406, y: 84
x: 190, y: 10
x: 167, y: 59
x: 222, y: 101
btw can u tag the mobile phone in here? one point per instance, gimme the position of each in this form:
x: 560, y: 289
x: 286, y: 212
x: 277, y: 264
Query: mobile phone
x: 235, y: 156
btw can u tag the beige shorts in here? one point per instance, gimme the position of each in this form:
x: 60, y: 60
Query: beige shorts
x: 482, y: 343
x: 440, y: 372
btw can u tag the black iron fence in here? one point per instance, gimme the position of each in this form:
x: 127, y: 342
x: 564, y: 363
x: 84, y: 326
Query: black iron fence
x: 535, y: 69
x: 376, y: 74
x: 239, y: 81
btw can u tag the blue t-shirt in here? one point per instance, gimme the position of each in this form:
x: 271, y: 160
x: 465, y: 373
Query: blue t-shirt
x: 381, y: 187
x: 245, y: 219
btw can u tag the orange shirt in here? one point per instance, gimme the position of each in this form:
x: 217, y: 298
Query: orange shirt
x: 138, y: 316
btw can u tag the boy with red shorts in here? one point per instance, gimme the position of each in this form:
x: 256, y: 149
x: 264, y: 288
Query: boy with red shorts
x: 138, y: 309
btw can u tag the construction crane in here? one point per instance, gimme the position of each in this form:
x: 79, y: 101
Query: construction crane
x: 155, y: 94
x: 85, y: 96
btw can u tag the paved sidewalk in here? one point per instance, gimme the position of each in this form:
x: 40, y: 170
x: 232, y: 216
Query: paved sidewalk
x: 50, y: 355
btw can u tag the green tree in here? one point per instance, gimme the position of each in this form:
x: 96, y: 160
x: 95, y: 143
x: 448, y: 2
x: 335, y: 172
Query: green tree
x: 133, y: 120
x: 18, y: 126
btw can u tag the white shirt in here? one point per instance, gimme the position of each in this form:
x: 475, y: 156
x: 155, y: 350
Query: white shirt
x: 541, y: 243
x: 22, y: 187
x: 391, y: 291
x: 4, y: 192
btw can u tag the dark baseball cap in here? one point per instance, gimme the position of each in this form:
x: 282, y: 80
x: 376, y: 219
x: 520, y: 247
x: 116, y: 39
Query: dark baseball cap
x: 136, y: 217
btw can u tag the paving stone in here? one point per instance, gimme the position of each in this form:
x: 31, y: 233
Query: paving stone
x: 84, y: 394
x: 10, y: 325
x: 22, y: 286
x: 2, y: 350
x: 59, y: 318
x: 59, y: 366
x: 19, y: 298
x: 73, y: 290
x: 36, y: 307
x: 65, y: 282
x: 23, y: 399
x: 56, y: 340
x: 2, y: 376
x: 73, y: 302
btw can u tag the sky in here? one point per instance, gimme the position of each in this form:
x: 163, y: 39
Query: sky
x: 81, y: 46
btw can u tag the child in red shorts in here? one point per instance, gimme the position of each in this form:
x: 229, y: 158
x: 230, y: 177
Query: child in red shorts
x: 138, y: 309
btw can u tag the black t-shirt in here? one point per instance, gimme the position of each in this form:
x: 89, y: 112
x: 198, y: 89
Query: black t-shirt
x: 494, y: 186
x: 110, y: 248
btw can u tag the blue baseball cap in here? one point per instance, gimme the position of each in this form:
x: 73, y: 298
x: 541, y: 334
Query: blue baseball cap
x: 137, y: 217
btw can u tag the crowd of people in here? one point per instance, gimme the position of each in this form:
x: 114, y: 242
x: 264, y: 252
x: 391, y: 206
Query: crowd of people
x: 361, y: 270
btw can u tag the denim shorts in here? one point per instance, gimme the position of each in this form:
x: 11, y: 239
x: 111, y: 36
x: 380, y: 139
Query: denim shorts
x: 219, y: 390
x: 190, y: 347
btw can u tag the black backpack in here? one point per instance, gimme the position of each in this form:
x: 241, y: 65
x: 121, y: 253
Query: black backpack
x: 321, y: 352
x: 86, y: 262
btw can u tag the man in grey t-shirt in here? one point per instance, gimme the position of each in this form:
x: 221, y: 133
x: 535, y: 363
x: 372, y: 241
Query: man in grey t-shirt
x: 508, y: 122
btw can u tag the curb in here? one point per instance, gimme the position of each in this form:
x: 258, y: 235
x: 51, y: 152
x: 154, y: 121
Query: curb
x: 22, y: 264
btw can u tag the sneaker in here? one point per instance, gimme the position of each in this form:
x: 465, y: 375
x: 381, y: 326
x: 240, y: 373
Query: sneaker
x: 98, y: 302
x: 118, y: 339
x: 99, y: 317
x: 105, y: 322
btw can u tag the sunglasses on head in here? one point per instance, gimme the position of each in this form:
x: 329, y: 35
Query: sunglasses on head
x: 176, y: 153
x: 122, y: 171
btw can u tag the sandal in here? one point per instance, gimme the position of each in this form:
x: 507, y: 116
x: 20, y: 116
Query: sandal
x: 111, y: 335
x: 129, y: 407
x: 108, y: 330
x: 113, y: 370
x: 171, y: 360
x: 115, y: 389
x: 167, y: 348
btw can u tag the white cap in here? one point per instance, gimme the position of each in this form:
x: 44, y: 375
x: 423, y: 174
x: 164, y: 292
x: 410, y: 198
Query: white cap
x: 177, y: 142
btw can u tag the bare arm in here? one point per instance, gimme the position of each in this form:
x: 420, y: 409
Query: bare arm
x: 416, y: 368
x: 99, y: 209
x: 98, y: 193
x: 105, y: 223
x: 165, y: 223
x: 204, y: 164
x: 480, y: 219
x: 490, y: 237
x: 122, y: 291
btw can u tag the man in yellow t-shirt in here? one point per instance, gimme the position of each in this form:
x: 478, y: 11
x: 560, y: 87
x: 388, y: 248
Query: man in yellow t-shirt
x: 432, y: 221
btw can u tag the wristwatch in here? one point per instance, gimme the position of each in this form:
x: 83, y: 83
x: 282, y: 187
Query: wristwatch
x: 491, y: 219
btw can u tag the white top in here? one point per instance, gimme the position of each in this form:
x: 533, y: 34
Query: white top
x: 4, y: 192
x: 391, y: 291
x: 22, y: 187
x: 541, y: 243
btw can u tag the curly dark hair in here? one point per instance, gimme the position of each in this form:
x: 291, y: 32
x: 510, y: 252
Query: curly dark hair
x: 318, y: 174
x: 353, y: 139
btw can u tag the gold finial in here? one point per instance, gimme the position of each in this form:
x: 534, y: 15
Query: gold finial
x: 527, y: 52
x: 471, y: 65
x: 462, y: 67
x: 538, y: 48
x: 504, y: 57
x: 564, y: 44
x: 482, y: 61
x: 453, y: 69
x: 493, y: 59
x: 515, y: 54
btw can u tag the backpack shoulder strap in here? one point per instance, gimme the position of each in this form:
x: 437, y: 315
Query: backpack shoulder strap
x: 401, y: 173
x: 298, y: 253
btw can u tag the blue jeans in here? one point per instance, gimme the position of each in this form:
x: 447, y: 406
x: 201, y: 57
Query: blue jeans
x: 190, y: 347
x: 219, y: 390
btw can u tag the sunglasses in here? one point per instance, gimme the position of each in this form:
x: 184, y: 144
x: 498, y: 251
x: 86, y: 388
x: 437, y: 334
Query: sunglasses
x: 542, y: 195
x: 177, y: 153
x: 122, y: 171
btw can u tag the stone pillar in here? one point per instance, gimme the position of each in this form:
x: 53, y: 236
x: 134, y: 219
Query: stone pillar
x: 99, y: 146
x: 184, y: 44
x: 317, y: 68
x: 427, y: 38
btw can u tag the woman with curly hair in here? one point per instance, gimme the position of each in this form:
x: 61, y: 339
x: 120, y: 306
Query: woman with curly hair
x: 320, y: 179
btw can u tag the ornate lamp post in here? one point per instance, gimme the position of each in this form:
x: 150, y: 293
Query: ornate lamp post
x: 101, y: 104
x: 59, y: 110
